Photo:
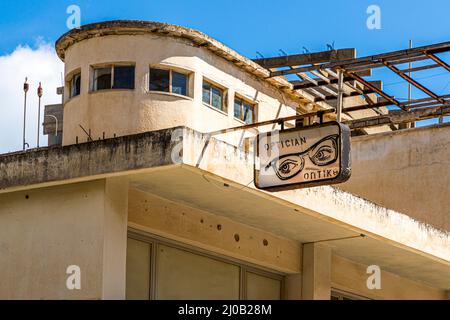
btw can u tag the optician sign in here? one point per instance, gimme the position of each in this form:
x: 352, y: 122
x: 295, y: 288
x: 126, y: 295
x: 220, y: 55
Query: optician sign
x: 303, y: 157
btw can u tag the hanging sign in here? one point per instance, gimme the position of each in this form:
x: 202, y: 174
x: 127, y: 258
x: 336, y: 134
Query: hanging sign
x: 303, y: 157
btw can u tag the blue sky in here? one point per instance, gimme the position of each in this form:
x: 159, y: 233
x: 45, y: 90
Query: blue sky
x: 247, y: 26
x: 251, y: 26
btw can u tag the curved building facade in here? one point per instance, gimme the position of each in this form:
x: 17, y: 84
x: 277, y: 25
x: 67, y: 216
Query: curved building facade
x: 126, y: 77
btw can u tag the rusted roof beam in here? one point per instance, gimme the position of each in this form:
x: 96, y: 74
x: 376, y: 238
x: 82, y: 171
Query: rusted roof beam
x: 375, y: 61
x: 307, y: 58
x: 316, y: 94
x: 413, y: 82
x: 278, y: 120
x: 293, y: 71
x: 422, y: 105
x: 431, y: 66
x: 307, y: 84
x: 346, y: 95
x: 398, y: 117
x: 413, y: 103
x: 439, y: 61
x: 367, y: 106
x: 374, y: 88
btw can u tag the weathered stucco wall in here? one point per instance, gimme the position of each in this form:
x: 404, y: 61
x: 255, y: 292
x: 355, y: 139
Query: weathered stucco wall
x: 408, y: 171
x: 212, y: 232
x: 43, y: 231
x: 394, y: 241
x: 351, y: 277
x: 84, y: 160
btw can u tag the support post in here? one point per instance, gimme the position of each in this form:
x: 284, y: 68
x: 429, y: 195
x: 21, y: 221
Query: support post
x: 39, y: 93
x: 25, y: 90
x: 316, y: 272
x: 293, y: 284
x: 411, y: 124
x: 340, y: 100
x: 115, y: 238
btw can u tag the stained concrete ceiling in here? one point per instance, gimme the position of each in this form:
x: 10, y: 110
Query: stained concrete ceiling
x: 192, y: 187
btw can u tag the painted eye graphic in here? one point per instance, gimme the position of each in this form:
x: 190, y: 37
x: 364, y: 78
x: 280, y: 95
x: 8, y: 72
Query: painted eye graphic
x: 288, y: 166
x: 324, y: 152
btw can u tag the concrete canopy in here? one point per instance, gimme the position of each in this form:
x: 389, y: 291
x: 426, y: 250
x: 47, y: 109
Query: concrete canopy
x: 218, y: 178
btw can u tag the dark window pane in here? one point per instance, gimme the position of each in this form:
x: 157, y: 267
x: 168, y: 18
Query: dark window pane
x: 159, y: 80
x: 75, y: 85
x: 237, y: 108
x: 123, y: 77
x: 216, y: 100
x: 206, y: 93
x: 179, y: 83
x: 248, y: 113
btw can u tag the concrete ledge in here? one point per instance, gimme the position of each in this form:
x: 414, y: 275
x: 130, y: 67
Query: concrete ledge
x: 108, y: 156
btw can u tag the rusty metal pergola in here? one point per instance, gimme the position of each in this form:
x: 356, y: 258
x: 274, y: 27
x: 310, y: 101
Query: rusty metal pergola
x: 332, y: 76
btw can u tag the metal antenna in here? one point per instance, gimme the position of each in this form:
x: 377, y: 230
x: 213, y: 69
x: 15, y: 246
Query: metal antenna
x: 283, y: 52
x: 87, y: 133
x: 259, y: 54
x: 39, y: 93
x: 330, y: 46
x: 25, y: 90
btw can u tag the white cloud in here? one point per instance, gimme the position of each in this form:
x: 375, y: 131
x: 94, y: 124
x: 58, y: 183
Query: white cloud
x: 40, y: 64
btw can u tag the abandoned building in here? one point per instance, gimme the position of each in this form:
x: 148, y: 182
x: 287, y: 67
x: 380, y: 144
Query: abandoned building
x: 148, y: 183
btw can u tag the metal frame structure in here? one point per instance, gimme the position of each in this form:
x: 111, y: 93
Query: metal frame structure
x: 332, y: 76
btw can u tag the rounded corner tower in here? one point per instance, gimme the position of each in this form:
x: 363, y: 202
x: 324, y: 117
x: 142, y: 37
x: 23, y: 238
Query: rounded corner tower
x: 125, y: 77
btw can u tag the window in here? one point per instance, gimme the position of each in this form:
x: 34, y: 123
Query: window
x: 102, y: 79
x: 123, y: 77
x: 262, y: 288
x: 244, y: 111
x: 75, y: 85
x: 338, y: 295
x: 138, y: 270
x: 169, y: 81
x: 213, y: 96
x: 113, y: 77
x: 159, y: 80
x: 185, y: 275
x: 179, y: 83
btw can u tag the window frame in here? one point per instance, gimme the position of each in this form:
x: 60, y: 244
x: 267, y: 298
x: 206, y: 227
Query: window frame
x: 222, y: 89
x: 187, y: 74
x: 243, y: 103
x: 345, y: 295
x: 71, y: 81
x: 94, y: 79
x: 111, y: 66
x: 245, y: 267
